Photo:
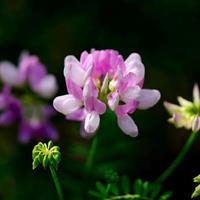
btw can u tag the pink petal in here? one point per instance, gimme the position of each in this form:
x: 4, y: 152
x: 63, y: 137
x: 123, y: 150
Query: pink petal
x: 113, y: 100
x: 130, y: 107
x: 78, y: 115
x: 66, y: 104
x: 148, y: 98
x: 90, y: 89
x: 92, y: 121
x: 93, y: 104
x: 133, y: 64
x: 74, y: 71
x: 128, y: 126
x: 131, y: 94
x: 74, y: 89
x: 83, y: 57
x: 127, y: 81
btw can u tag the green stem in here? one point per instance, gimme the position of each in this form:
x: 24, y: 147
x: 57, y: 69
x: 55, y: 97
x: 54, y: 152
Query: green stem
x: 57, y: 183
x: 127, y: 196
x: 91, y: 154
x: 178, y: 159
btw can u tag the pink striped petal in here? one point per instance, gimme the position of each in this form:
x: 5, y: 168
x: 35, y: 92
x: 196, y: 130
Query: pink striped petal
x: 113, y: 100
x: 74, y: 71
x: 78, y: 115
x: 133, y: 64
x: 74, y: 89
x: 93, y: 104
x: 66, y: 104
x: 148, y: 98
x: 130, y: 107
x: 128, y: 126
x: 126, y: 82
x: 90, y: 89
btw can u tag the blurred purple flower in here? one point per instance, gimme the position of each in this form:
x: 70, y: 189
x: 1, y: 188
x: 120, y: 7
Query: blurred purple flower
x: 10, y: 107
x: 36, y: 124
x: 100, y: 79
x: 32, y: 114
x: 30, y: 71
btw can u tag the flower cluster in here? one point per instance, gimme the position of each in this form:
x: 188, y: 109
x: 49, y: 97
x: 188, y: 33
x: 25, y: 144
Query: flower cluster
x: 186, y: 115
x: 103, y: 79
x: 21, y: 99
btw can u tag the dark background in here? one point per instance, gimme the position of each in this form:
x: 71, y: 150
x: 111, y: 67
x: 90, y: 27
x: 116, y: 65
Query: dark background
x: 166, y: 34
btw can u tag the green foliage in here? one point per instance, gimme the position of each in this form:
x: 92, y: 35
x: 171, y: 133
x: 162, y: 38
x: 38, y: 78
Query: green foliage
x: 122, y: 188
x: 46, y: 154
x: 196, y: 192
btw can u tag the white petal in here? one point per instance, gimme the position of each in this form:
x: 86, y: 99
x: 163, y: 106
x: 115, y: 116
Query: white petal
x: 104, y: 86
x: 128, y: 126
x: 74, y: 71
x: 92, y: 121
x: 133, y: 64
x: 66, y: 104
x: 131, y: 94
x: 47, y: 86
x: 8, y: 73
x: 183, y: 102
x: 148, y: 98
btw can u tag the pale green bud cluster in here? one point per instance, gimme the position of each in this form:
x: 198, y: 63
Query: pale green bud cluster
x: 197, y: 189
x: 46, y: 154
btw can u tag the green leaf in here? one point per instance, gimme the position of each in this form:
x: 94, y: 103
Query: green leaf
x: 155, y: 190
x: 125, y: 184
x: 95, y: 194
x: 165, y: 195
x: 138, y: 186
x: 101, y: 188
x: 114, y: 189
x: 146, y: 188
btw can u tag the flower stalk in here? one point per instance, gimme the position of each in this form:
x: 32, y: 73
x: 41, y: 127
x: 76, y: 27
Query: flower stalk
x: 90, y: 159
x: 178, y: 159
x: 56, y: 182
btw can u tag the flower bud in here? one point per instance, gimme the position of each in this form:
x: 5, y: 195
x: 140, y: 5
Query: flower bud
x: 46, y: 154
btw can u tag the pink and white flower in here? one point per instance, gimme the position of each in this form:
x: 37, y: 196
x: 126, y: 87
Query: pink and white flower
x: 100, y: 80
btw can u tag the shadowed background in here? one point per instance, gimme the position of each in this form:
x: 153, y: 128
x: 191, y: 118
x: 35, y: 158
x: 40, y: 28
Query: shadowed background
x: 165, y: 33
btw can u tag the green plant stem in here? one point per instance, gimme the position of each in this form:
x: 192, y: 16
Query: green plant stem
x: 178, y: 159
x: 91, y: 154
x: 57, y: 183
x: 127, y: 196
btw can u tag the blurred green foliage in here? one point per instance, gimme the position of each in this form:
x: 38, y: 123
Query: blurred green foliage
x: 165, y: 33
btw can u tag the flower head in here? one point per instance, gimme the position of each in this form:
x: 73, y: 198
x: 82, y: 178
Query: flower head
x: 46, y: 154
x: 102, y: 79
x: 187, y: 114
x: 26, y: 105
